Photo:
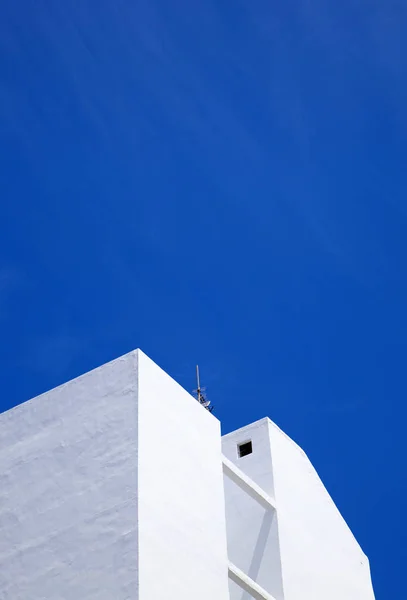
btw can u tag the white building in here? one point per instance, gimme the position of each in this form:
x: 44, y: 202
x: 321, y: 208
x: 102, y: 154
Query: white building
x: 118, y: 486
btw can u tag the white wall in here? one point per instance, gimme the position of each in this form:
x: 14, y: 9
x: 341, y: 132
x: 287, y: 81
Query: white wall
x: 68, y: 490
x: 320, y: 557
x: 182, y: 536
x: 309, y: 552
x: 252, y: 531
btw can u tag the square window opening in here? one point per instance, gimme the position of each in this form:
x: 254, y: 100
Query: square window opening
x: 244, y: 449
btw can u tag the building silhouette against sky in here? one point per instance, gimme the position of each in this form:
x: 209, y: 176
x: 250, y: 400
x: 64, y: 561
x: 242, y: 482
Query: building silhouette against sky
x: 118, y: 486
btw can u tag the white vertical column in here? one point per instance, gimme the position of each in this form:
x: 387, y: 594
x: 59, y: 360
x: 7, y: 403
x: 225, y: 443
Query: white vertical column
x: 182, y: 532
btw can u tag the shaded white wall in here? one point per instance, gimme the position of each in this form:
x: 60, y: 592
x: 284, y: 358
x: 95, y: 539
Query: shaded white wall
x: 68, y: 490
x: 181, y: 504
x: 252, y: 531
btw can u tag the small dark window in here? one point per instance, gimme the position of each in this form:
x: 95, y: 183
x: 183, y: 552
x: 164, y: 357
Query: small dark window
x: 245, y: 449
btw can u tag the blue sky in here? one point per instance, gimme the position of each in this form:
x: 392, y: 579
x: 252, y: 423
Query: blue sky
x: 223, y: 183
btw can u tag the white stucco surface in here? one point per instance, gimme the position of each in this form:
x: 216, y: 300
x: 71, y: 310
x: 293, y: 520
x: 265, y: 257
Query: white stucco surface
x: 68, y: 490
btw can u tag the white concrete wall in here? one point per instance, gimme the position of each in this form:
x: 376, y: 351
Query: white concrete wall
x: 68, y: 490
x: 182, y: 536
x: 252, y: 531
x: 320, y: 557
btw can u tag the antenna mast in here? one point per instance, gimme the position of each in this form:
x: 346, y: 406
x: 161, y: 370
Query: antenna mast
x: 200, y: 396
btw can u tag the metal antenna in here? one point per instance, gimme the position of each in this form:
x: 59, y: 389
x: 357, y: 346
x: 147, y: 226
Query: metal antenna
x: 198, y: 389
x: 200, y: 396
